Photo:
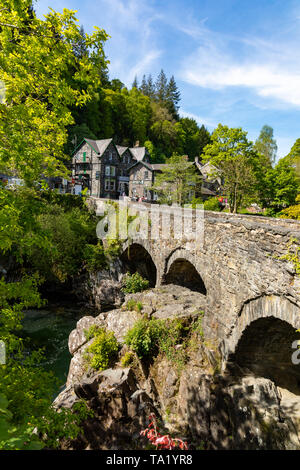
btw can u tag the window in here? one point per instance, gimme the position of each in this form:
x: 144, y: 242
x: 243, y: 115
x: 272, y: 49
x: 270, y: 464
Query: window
x: 109, y: 185
x: 97, y: 175
x: 110, y: 170
x: 110, y: 156
x: 146, y: 175
x: 84, y: 156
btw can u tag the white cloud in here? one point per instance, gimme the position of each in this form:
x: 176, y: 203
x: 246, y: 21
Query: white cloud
x: 268, y: 67
x: 131, y: 47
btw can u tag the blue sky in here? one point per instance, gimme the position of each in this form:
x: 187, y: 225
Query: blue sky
x: 235, y: 61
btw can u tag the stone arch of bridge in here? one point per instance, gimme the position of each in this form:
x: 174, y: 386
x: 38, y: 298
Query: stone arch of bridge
x: 184, y: 268
x: 137, y: 257
x: 261, y: 342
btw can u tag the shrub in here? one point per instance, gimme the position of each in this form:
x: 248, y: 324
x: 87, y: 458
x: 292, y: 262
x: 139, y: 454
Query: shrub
x: 174, y: 334
x: 292, y: 212
x: 197, y: 325
x: 127, y: 359
x: 91, y: 332
x: 143, y: 338
x: 196, y: 201
x: 133, y: 283
x: 94, y: 257
x: 212, y: 204
x: 133, y: 305
x: 103, y: 351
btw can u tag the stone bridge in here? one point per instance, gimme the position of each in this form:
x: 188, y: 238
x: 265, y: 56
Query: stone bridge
x: 251, y: 294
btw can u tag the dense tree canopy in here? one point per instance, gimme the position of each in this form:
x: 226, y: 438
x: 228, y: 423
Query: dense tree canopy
x: 232, y: 153
x: 41, y: 86
x: 148, y: 113
x: 178, y: 181
x: 266, y: 145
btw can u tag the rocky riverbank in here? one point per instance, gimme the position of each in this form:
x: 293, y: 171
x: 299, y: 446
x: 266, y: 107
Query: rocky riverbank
x: 196, y: 401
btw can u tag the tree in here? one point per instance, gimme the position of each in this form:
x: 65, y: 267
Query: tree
x: 294, y: 156
x: 150, y: 90
x: 80, y: 48
x: 43, y: 80
x: 191, y: 138
x: 172, y: 97
x: 266, y: 145
x: 116, y: 84
x: 161, y: 87
x: 139, y: 113
x: 177, y: 180
x: 36, y: 57
x: 281, y: 185
x: 143, y: 87
x: 232, y: 153
x: 135, y: 83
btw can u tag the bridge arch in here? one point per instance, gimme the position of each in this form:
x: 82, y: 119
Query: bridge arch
x: 182, y: 268
x: 136, y: 257
x: 261, y: 341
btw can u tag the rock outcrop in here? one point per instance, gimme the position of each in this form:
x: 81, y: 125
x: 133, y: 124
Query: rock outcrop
x: 101, y: 290
x: 208, y: 407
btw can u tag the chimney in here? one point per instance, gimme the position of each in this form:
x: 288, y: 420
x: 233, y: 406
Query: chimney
x: 137, y: 144
x: 197, y: 159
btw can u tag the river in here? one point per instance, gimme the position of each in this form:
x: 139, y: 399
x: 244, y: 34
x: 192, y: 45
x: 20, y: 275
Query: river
x: 50, y: 328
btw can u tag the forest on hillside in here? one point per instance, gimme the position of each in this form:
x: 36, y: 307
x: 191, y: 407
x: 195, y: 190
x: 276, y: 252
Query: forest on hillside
x: 147, y: 113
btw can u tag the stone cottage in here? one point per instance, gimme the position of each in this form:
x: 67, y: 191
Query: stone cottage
x: 142, y: 176
x: 101, y: 166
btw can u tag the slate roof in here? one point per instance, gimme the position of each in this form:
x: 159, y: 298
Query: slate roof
x: 99, y: 145
x: 159, y: 166
x: 138, y: 153
x: 121, y: 149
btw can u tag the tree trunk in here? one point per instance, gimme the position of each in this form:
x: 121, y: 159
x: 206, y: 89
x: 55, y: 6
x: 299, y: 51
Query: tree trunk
x: 235, y: 200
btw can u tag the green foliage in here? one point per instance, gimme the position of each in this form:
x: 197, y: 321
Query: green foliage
x: 91, y: 332
x: 172, y: 338
x: 292, y: 212
x: 103, y: 351
x: 65, y: 424
x: 113, y: 248
x: 212, y: 204
x: 277, y: 187
x: 43, y: 79
x: 69, y: 235
x: 293, y: 254
x: 196, y: 326
x: 232, y: 153
x: 127, y: 359
x: 177, y: 181
x: 94, y: 256
x: 14, y: 437
x: 143, y: 337
x: 147, y: 113
x: 266, y: 145
x: 134, y: 305
x: 133, y: 283
x: 173, y: 342
x: 196, y: 201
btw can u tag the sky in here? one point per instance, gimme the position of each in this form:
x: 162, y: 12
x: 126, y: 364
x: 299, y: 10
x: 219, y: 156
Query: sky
x: 235, y: 62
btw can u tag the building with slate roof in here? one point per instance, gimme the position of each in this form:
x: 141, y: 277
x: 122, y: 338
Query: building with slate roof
x: 101, y: 166
x: 142, y: 176
x: 109, y: 171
